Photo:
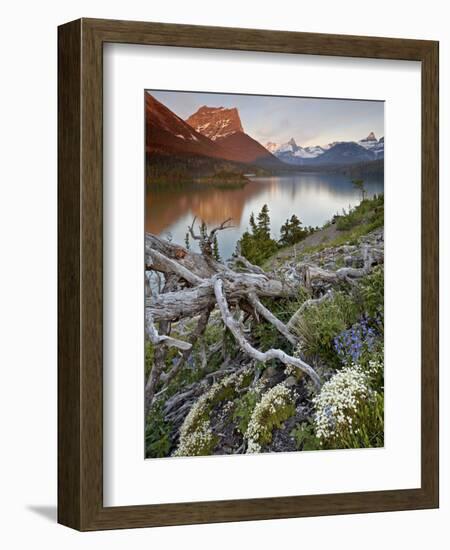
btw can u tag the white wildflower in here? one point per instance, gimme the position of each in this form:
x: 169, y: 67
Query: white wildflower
x: 338, y: 398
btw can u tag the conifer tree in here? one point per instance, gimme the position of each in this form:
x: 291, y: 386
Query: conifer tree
x: 291, y: 231
x: 216, y: 253
x: 264, y: 222
x: 253, y: 223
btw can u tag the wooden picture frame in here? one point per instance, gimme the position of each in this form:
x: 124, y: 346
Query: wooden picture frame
x: 80, y: 272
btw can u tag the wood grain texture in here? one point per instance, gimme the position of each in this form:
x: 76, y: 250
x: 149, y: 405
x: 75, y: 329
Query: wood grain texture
x: 80, y: 241
x: 69, y: 249
x: 430, y: 273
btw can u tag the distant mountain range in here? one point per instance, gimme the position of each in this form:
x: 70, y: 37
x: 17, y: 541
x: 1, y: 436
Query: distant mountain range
x: 339, y: 152
x: 213, y: 136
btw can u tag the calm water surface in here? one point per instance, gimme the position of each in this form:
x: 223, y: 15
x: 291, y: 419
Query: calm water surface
x: 314, y: 198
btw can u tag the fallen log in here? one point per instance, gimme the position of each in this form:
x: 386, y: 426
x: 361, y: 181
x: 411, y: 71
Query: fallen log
x: 199, y: 283
x: 244, y: 344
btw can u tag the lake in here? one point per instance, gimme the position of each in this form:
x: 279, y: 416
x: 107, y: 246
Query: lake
x: 313, y: 197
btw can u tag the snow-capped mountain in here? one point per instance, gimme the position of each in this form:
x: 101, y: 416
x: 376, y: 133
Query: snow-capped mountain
x: 345, y: 152
x: 292, y: 153
x: 315, y: 150
x: 337, y: 152
x: 370, y: 139
x: 373, y: 144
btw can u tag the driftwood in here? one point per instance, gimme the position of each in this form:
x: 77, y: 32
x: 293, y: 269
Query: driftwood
x: 197, y: 273
x: 293, y: 321
x: 196, y: 333
x: 207, y: 239
x: 157, y: 338
x: 199, y: 284
x: 259, y: 356
x: 157, y: 369
x: 269, y: 316
x: 344, y: 274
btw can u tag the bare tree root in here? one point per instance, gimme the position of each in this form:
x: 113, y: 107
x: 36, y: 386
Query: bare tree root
x: 196, y: 333
x: 344, y: 274
x: 196, y: 283
x: 261, y: 357
x: 293, y: 321
x: 270, y: 317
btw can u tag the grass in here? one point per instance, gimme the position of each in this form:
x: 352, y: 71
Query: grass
x: 321, y: 323
x: 368, y: 211
x: 347, y: 237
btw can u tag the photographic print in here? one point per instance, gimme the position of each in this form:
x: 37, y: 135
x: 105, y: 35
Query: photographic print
x: 264, y: 274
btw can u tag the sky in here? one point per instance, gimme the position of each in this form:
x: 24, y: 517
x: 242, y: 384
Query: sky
x: 310, y: 121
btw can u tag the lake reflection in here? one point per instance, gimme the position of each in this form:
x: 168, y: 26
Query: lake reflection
x: 314, y: 198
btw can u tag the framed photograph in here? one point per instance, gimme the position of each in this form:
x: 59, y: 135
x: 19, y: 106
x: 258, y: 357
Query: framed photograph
x: 248, y: 274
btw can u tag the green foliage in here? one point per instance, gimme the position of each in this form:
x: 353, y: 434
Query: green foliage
x: 369, y: 212
x: 322, y: 322
x: 275, y: 419
x: 252, y: 223
x: 265, y: 334
x: 304, y: 437
x: 275, y: 406
x: 375, y: 376
x: 243, y: 409
x: 257, y: 245
x: 347, y: 237
x: 194, y: 370
x: 263, y: 226
x: 196, y: 435
x: 291, y: 231
x: 216, y: 252
x: 230, y: 348
x: 349, y: 409
x: 372, y: 293
x: 149, y: 357
x: 157, y: 433
x: 171, y: 172
x: 365, y: 169
x: 367, y: 428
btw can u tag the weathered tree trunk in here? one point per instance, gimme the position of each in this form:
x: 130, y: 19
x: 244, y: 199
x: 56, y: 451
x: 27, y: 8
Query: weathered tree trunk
x: 196, y: 283
x: 259, y: 356
x: 200, y: 282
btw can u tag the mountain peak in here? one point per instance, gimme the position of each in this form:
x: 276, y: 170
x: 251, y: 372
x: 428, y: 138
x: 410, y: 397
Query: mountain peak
x: 216, y: 122
x: 292, y: 142
x: 271, y: 146
x: 370, y: 137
